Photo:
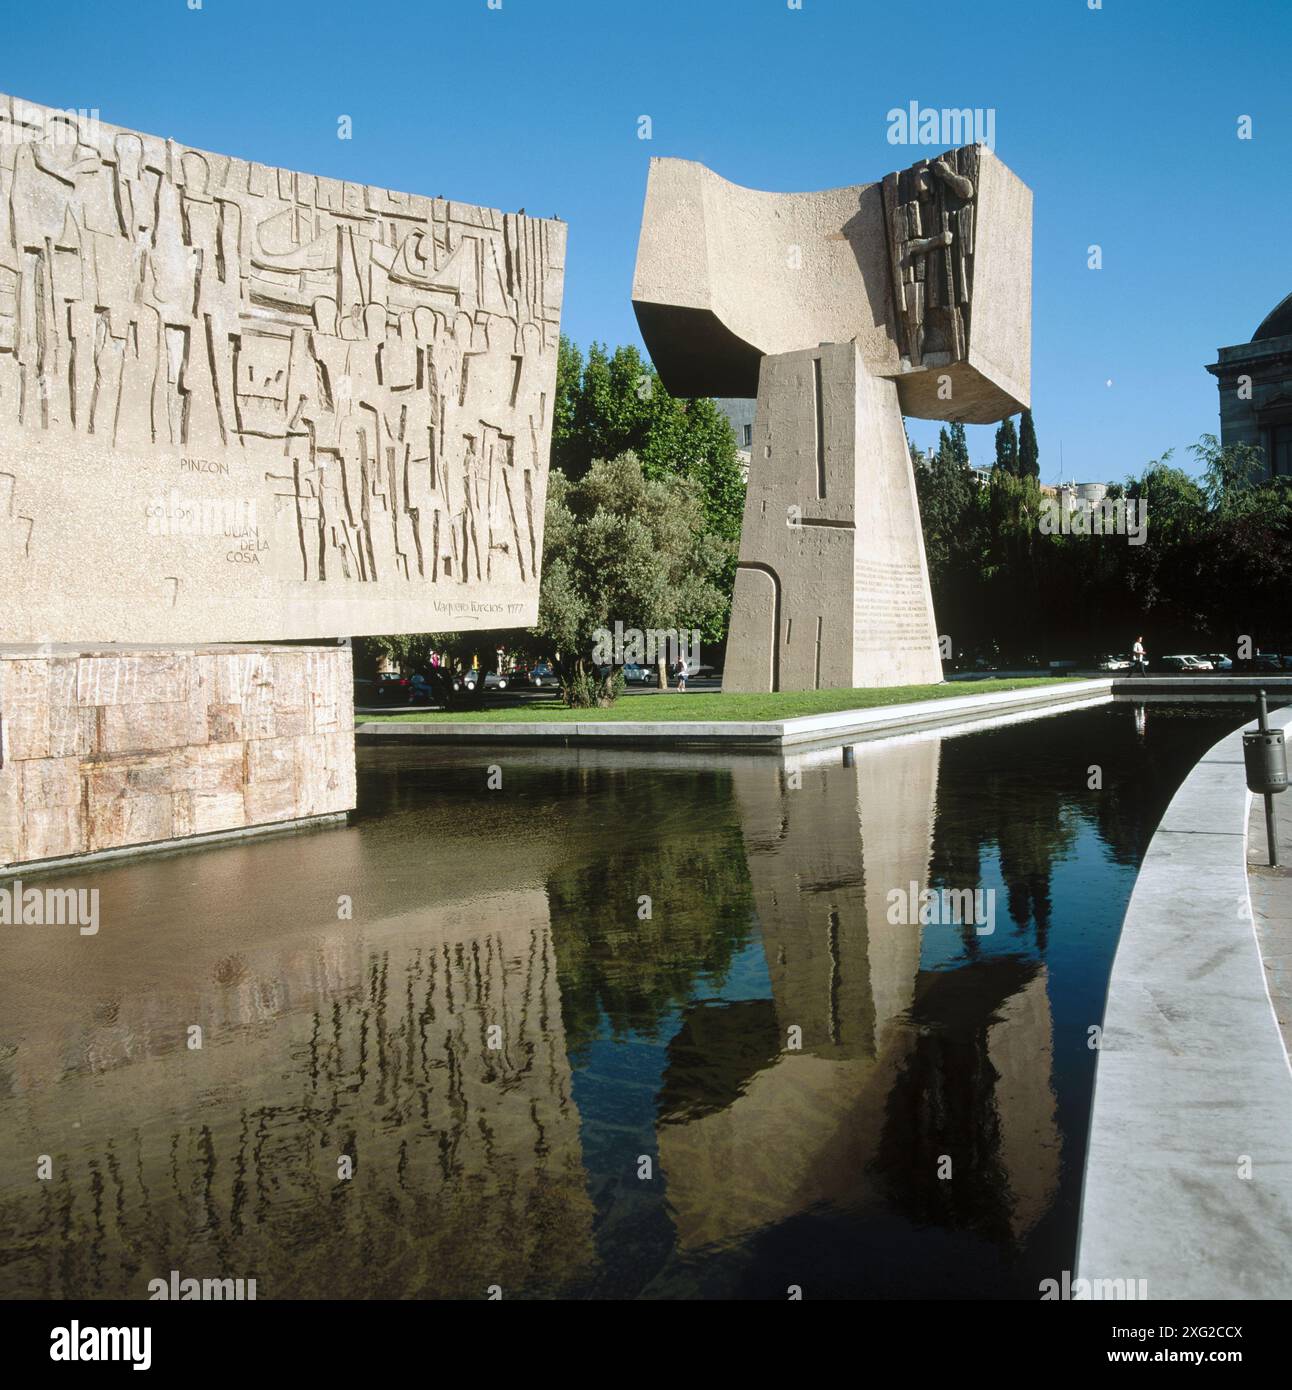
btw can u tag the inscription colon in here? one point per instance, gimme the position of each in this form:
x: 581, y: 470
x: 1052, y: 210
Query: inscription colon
x: 178, y: 515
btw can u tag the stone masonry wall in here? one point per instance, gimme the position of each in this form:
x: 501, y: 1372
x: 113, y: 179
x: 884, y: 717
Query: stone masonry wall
x: 101, y: 749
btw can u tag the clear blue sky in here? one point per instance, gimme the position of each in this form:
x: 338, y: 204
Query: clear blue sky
x: 1123, y: 121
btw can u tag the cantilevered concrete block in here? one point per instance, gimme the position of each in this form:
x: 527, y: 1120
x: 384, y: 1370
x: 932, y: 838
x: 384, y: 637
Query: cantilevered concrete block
x: 843, y: 311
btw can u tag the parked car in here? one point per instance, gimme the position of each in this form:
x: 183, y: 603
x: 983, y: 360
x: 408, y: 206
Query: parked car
x: 542, y: 675
x: 485, y: 680
x: 1267, y: 661
x: 640, y: 675
x: 1219, y: 661
x: 388, y: 688
x: 1185, y: 663
x: 1115, y: 663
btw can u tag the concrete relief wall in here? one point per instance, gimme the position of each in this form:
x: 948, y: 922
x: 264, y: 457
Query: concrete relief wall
x: 239, y: 403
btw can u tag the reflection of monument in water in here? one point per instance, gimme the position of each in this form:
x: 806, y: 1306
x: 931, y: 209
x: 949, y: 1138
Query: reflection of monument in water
x: 473, y: 1164
x: 897, y: 1067
x: 224, y: 1161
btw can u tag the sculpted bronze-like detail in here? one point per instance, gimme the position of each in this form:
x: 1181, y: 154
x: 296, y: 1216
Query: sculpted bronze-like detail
x: 929, y: 212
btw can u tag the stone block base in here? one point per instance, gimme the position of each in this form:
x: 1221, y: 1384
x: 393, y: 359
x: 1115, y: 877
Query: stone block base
x: 119, y: 747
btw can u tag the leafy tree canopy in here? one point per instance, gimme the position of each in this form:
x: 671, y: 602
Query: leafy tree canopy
x: 625, y: 547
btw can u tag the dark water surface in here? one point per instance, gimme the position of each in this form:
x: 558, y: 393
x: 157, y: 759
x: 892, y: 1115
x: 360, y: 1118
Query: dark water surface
x: 761, y: 1083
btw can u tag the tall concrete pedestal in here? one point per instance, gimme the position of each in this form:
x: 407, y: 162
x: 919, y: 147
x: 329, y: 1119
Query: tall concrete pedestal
x: 832, y: 588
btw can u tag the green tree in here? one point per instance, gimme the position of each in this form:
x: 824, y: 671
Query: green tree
x: 1232, y: 474
x: 954, y: 521
x: 614, y: 403
x: 1007, y: 447
x: 1247, y: 556
x: 569, y: 384
x: 624, y: 547
x: 1029, y: 454
x: 958, y: 444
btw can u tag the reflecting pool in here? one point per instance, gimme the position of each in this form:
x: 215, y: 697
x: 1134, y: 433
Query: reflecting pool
x: 626, y: 1025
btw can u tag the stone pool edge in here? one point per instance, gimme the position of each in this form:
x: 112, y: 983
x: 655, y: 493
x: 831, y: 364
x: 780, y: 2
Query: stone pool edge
x: 770, y: 735
x: 1192, y: 1076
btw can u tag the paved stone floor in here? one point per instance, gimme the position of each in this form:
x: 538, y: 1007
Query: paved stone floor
x: 1271, y: 891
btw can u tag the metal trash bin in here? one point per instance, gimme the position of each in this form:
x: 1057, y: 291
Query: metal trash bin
x: 1266, y: 761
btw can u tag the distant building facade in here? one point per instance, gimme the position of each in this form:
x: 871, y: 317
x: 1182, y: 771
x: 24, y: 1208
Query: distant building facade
x: 740, y: 416
x: 1255, y: 382
x: 1073, y: 495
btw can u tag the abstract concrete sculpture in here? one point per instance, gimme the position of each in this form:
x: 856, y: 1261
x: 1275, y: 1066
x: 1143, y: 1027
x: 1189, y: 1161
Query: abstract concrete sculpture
x: 842, y: 310
x: 240, y: 404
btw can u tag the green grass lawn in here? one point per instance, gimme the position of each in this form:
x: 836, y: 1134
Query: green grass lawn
x: 785, y: 704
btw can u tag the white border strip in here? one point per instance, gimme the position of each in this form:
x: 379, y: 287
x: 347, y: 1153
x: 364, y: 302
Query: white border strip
x: 1193, y: 1087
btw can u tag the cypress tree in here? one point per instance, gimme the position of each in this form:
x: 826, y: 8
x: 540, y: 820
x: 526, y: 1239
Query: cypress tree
x: 959, y: 444
x: 1007, y: 447
x: 1029, y: 455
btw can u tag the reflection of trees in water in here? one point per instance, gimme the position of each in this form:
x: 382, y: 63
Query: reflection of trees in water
x: 962, y: 1093
x: 678, y: 840
x: 1024, y: 792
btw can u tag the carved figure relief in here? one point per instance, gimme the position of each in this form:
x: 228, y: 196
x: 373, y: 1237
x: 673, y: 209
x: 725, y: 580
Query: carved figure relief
x: 929, y: 210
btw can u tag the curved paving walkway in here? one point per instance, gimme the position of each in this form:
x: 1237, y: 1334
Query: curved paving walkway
x: 1193, y: 1076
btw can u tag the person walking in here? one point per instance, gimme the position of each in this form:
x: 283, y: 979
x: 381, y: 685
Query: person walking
x: 1140, y: 656
x: 681, y: 674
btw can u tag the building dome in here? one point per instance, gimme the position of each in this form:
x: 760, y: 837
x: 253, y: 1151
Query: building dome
x: 1277, y: 323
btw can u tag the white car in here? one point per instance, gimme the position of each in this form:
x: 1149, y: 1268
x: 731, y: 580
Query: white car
x: 1185, y: 663
x: 1115, y: 663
